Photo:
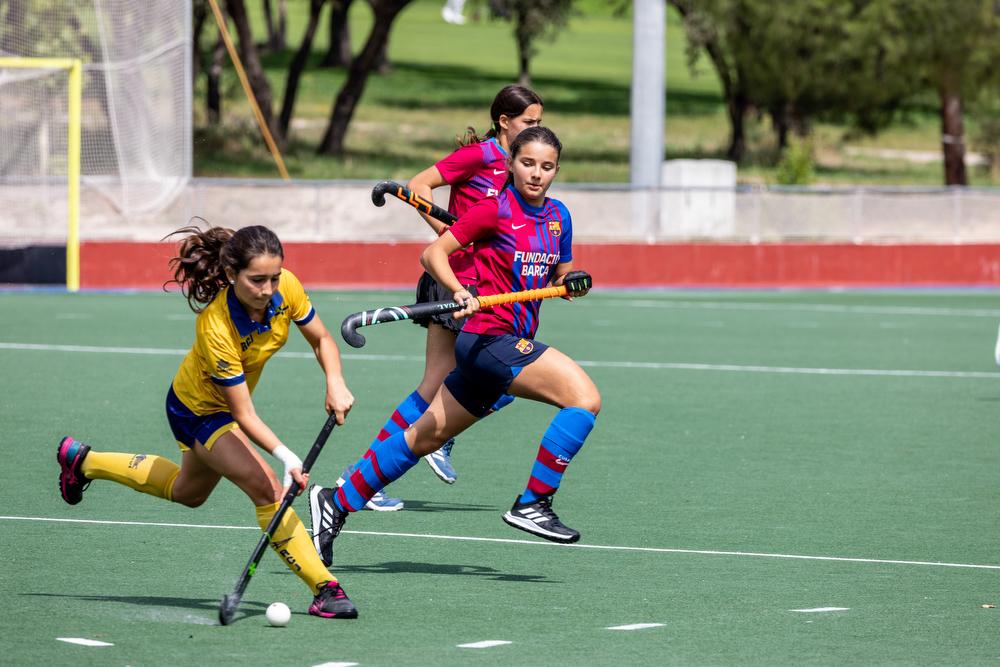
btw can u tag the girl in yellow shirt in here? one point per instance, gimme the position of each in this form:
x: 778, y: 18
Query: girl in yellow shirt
x: 246, y: 302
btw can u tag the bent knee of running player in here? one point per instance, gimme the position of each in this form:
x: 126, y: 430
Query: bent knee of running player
x: 444, y: 418
x: 557, y: 379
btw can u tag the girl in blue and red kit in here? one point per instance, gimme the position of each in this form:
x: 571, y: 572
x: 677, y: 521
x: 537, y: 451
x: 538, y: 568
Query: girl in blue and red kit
x: 523, y: 240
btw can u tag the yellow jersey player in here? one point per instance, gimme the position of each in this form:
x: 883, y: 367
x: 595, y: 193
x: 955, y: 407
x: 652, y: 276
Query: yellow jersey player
x: 246, y: 302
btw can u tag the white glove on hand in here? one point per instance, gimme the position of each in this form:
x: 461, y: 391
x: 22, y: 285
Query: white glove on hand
x: 291, y: 461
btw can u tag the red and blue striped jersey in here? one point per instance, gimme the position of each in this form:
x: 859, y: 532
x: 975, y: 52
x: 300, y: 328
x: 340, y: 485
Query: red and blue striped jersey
x: 474, y: 172
x: 518, y: 247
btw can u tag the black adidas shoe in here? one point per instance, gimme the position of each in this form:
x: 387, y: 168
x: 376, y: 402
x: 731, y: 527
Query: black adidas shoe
x: 538, y: 518
x: 327, y: 520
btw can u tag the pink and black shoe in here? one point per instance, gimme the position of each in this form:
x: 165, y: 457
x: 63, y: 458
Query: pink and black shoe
x: 332, y: 602
x: 72, y: 482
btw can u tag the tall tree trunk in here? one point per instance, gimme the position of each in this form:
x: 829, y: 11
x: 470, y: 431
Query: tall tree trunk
x: 268, y: 13
x: 952, y: 132
x: 251, y: 60
x: 297, y: 66
x: 731, y: 76
x: 282, y: 24
x: 339, y: 52
x: 200, y: 11
x: 276, y: 31
x: 779, y: 120
x: 523, y: 50
x: 357, y: 76
x: 736, y: 107
x: 213, y: 75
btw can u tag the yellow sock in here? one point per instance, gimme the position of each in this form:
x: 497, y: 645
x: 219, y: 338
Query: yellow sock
x: 292, y: 543
x: 145, y: 473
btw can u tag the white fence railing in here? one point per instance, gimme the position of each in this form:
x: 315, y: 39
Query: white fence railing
x: 342, y: 211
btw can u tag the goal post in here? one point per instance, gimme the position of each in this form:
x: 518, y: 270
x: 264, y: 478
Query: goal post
x: 74, y: 104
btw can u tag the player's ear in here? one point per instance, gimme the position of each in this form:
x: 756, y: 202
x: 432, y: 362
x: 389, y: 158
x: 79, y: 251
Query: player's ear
x: 504, y: 122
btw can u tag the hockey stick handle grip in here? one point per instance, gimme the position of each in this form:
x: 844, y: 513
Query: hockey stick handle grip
x: 366, y: 318
x: 404, y: 194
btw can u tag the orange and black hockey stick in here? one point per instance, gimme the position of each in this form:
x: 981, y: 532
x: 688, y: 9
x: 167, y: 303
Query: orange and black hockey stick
x: 576, y: 283
x: 403, y: 193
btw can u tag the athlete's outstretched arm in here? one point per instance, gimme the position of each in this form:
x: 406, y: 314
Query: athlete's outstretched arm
x: 435, y: 259
x: 339, y: 398
x: 422, y: 184
x: 241, y: 407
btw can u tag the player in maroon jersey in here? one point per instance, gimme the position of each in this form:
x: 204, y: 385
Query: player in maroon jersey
x: 523, y: 240
x: 477, y: 170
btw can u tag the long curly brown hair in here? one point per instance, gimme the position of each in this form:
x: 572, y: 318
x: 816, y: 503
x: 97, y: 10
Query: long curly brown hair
x: 203, y: 256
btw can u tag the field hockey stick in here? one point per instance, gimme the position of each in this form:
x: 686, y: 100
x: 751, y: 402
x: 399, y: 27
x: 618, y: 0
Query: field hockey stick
x: 403, y: 193
x: 230, y: 601
x: 576, y: 283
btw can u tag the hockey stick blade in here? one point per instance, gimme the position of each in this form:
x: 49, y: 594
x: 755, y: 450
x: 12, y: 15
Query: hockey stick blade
x: 405, y: 195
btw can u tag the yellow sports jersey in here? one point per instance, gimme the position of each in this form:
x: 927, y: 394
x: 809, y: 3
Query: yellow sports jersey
x: 231, y: 348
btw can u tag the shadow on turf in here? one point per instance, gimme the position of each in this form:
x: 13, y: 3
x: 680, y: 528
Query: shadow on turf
x: 249, y: 607
x: 412, y: 567
x: 432, y: 506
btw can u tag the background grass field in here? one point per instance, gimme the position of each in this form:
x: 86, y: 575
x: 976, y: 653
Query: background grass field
x: 444, y: 76
x: 758, y: 453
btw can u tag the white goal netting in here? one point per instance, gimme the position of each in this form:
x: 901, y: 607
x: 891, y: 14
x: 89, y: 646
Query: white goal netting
x: 135, y: 116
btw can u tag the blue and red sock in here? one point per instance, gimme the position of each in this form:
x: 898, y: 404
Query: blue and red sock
x: 562, y: 440
x: 384, y: 462
x: 406, y: 413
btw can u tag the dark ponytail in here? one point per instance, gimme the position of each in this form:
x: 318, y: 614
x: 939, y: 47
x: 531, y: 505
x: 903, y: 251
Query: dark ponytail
x: 511, y: 101
x: 204, y: 255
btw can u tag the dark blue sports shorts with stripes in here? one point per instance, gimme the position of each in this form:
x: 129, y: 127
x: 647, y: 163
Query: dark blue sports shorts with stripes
x: 189, y: 427
x: 486, y: 365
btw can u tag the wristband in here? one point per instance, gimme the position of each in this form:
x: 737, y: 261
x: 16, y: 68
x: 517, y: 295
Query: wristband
x: 291, y: 461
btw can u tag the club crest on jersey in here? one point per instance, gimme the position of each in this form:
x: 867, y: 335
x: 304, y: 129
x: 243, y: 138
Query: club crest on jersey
x: 555, y: 227
x: 524, y: 346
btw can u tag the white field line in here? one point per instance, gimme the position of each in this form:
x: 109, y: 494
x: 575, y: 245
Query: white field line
x: 636, y: 626
x: 534, y: 543
x: 817, y: 610
x: 80, y: 641
x: 800, y: 307
x: 488, y: 643
x: 642, y: 365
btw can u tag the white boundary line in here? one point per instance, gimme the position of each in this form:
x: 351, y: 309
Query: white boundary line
x: 802, y: 307
x: 646, y: 365
x: 535, y: 543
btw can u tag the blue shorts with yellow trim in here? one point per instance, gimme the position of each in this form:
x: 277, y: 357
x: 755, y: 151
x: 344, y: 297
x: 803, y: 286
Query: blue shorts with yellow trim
x: 487, y: 364
x: 189, y: 427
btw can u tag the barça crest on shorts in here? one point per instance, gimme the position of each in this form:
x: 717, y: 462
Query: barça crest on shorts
x: 524, y: 346
x: 555, y: 227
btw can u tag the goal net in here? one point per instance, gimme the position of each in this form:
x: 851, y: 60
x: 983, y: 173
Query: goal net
x: 134, y: 114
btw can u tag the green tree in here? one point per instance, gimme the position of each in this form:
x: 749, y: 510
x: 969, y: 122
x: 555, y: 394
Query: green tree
x: 953, y: 47
x: 533, y: 20
x: 797, y: 61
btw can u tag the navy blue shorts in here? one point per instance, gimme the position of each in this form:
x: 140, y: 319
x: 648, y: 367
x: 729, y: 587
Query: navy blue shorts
x: 189, y: 427
x: 486, y: 365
